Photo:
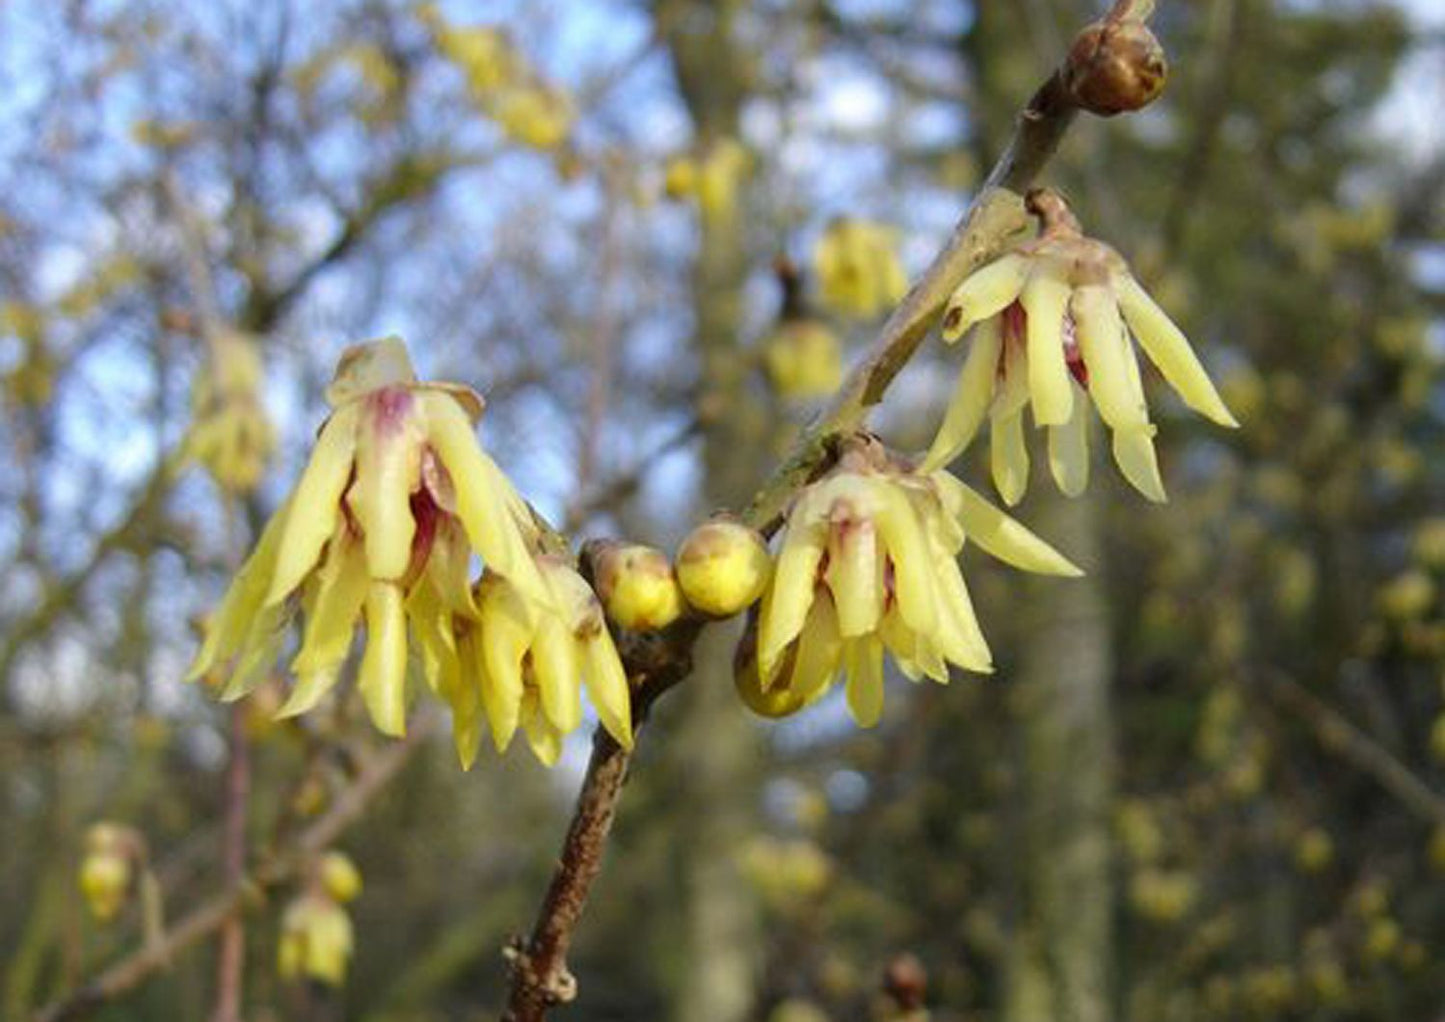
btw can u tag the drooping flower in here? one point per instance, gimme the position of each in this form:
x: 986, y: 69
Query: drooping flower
x: 317, y: 940
x: 804, y: 359
x: 525, y: 664
x: 1051, y: 324
x: 230, y: 433
x: 858, y: 269
x: 867, y: 563
x: 396, y: 497
x: 108, y: 868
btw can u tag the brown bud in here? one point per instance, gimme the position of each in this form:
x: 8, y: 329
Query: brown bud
x: 1115, y: 67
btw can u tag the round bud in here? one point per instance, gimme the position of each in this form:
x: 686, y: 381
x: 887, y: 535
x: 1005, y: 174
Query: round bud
x: 637, y: 587
x: 775, y: 702
x: 723, y: 567
x: 339, y: 876
x: 104, y: 883
x: 1115, y: 67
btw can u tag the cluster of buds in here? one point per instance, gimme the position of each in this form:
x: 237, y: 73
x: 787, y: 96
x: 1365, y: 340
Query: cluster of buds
x: 720, y: 569
x: 711, y: 176
x: 1051, y: 324
x: 503, y: 84
x: 858, y: 269
x: 397, y: 497
x: 114, y: 855
x: 230, y: 435
x: 867, y: 563
x: 317, y: 938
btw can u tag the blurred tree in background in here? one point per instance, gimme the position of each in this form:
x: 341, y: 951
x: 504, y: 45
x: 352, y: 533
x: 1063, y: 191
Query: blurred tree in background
x: 1207, y: 782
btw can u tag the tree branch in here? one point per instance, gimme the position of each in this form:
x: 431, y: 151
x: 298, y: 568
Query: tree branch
x: 214, y: 913
x: 540, y: 977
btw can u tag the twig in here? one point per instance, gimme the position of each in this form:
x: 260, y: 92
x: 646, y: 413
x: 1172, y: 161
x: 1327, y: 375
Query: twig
x: 1337, y: 734
x: 213, y: 914
x: 540, y: 977
x: 231, y: 951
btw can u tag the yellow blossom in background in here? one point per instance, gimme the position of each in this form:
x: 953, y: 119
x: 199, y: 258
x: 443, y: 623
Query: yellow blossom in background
x: 316, y: 940
x: 381, y: 526
x: 804, y: 359
x: 533, y: 114
x: 1051, y: 325
x: 231, y: 434
x: 711, y: 176
x: 107, y: 870
x: 339, y: 877
x: 858, y: 269
x: 867, y: 563
x: 524, y: 664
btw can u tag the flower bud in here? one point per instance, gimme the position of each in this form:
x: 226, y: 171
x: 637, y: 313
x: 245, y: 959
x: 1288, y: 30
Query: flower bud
x: 316, y: 941
x: 722, y: 567
x: 777, y: 701
x: 1115, y: 67
x: 339, y: 876
x: 637, y: 587
x: 107, y: 869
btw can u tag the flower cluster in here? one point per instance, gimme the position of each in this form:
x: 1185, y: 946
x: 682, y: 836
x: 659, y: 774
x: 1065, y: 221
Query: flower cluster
x: 1051, y: 326
x: 381, y: 527
x: 867, y: 563
x: 230, y: 433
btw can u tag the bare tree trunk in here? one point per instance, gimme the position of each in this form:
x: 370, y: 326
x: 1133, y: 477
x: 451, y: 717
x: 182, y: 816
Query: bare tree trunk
x: 1060, y: 960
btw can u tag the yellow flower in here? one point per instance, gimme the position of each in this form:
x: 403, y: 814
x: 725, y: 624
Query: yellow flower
x: 108, y: 868
x: 316, y: 940
x: 804, y: 359
x: 533, y: 114
x: 1051, y: 326
x: 858, y: 270
x: 867, y: 562
x: 530, y: 661
x: 230, y: 433
x: 339, y: 877
x: 381, y: 526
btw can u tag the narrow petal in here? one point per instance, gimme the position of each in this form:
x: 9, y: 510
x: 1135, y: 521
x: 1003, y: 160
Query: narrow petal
x: 984, y: 293
x: 465, y: 701
x: 972, y: 396
x: 243, y: 600
x: 1134, y: 453
x: 388, y: 471
x: 1001, y: 535
x: 907, y: 545
x: 1009, y: 457
x: 1069, y: 449
x: 790, y: 595
x: 864, y: 661
x: 855, y: 576
x: 1045, y: 297
x: 1169, y: 349
x: 558, y: 673
x: 901, y: 642
x: 1100, y: 332
x: 485, y: 499
x: 330, y: 624
x: 506, y: 633
x: 960, y: 640
x: 607, y: 684
x: 544, y: 739
x: 820, y: 651
x: 383, y: 666
x: 315, y: 504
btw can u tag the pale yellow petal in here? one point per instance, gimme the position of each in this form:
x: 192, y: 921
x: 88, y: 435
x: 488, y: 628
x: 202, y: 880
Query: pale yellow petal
x: 1001, y: 535
x: 316, y: 503
x: 906, y: 541
x: 863, y: 659
x: 485, y: 499
x: 388, y: 471
x: 506, y: 633
x: 243, y: 600
x: 383, y: 665
x: 1134, y: 453
x: 557, y: 671
x: 855, y: 576
x: 1102, y: 344
x: 342, y: 586
x: 1009, y: 457
x: 787, y: 600
x: 972, y: 396
x: 544, y: 739
x: 1069, y: 449
x: 820, y: 651
x: 960, y: 640
x: 1169, y: 349
x: 985, y: 293
x: 607, y: 684
x: 1045, y: 298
